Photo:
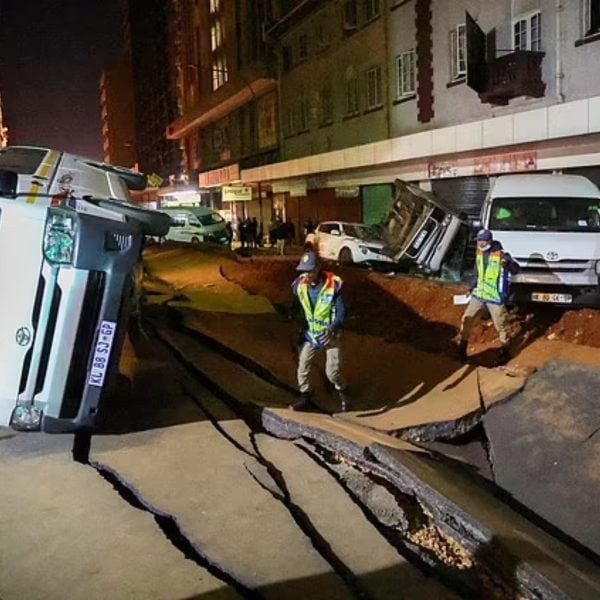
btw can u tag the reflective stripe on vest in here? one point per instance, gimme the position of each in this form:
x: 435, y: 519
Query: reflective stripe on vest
x: 490, y: 279
x: 320, y: 316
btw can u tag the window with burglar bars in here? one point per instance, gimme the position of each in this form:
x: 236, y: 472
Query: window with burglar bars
x: 406, y: 74
x: 591, y: 17
x: 458, y: 52
x: 527, y: 32
x: 374, y: 88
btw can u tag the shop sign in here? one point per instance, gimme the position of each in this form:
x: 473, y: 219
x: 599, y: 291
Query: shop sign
x: 267, y: 121
x: 296, y: 189
x: 506, y: 163
x: 442, y: 169
x: 236, y: 193
x: 219, y: 177
x: 347, y: 192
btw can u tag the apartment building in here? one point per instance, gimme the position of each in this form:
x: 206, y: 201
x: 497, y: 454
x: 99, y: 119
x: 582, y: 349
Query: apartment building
x: 117, y: 113
x: 227, y: 98
x: 150, y: 24
x: 469, y: 90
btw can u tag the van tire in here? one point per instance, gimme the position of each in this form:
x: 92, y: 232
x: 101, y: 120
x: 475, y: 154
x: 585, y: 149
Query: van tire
x: 195, y: 241
x: 345, y: 257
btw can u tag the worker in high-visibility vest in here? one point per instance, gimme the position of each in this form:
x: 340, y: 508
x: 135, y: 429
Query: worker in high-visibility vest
x: 319, y: 295
x: 489, y: 292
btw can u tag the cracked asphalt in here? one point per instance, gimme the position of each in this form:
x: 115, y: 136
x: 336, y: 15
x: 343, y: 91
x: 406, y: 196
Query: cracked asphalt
x: 199, y: 483
x: 183, y: 501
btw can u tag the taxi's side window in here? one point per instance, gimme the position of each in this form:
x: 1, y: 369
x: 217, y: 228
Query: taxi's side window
x: 178, y: 221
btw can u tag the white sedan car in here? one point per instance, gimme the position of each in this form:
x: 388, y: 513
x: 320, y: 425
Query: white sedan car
x: 350, y: 242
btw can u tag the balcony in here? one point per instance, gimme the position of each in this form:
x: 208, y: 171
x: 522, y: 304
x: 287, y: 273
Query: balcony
x: 512, y: 75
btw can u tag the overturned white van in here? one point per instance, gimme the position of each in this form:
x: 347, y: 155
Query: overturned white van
x: 69, y: 239
x: 551, y: 225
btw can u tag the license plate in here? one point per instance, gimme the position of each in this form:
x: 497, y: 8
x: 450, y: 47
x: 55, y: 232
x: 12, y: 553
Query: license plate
x: 102, y: 353
x: 420, y: 239
x: 554, y: 298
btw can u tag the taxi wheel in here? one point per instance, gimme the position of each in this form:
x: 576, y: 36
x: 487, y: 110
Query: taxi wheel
x: 346, y: 256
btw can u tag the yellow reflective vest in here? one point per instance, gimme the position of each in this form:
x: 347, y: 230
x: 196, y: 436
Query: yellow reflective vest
x: 320, y: 316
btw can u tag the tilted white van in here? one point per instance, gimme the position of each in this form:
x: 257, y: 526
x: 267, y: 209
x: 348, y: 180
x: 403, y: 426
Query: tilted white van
x: 550, y: 224
x: 69, y: 240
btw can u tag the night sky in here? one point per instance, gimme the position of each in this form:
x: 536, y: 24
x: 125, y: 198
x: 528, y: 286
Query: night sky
x: 51, y: 56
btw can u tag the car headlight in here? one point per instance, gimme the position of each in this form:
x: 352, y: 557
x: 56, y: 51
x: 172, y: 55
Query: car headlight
x: 363, y: 249
x: 59, y: 237
x: 598, y: 268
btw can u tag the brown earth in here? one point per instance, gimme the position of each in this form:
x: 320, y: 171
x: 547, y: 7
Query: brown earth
x: 417, y: 311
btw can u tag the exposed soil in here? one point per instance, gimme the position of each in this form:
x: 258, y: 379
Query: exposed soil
x: 417, y: 311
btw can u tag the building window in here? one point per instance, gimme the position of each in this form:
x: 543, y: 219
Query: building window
x: 527, y: 32
x: 302, y: 114
x: 591, y: 17
x: 405, y: 74
x: 458, y: 52
x: 216, y: 36
x: 326, y: 108
x: 321, y: 34
x: 351, y: 92
x: 220, y: 74
x: 286, y: 58
x: 303, y: 46
x: 374, y: 88
x: 350, y: 16
x: 372, y: 9
x: 291, y: 120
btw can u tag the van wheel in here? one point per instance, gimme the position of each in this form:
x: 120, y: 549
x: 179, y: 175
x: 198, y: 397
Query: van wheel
x: 345, y: 257
x: 195, y: 241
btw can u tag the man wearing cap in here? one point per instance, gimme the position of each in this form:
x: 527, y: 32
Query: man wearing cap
x: 319, y: 295
x: 489, y: 291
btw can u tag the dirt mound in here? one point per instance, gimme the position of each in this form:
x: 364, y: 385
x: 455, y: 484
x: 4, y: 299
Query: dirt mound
x: 418, y: 311
x: 578, y: 327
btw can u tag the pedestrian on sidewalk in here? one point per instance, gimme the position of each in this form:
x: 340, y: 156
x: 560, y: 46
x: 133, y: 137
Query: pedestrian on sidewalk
x: 281, y: 235
x: 489, y: 291
x: 319, y: 294
x: 229, y: 234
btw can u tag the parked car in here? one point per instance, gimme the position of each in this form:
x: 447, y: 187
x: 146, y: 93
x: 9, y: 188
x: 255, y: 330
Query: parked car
x: 350, y: 242
x: 419, y: 229
x: 551, y: 226
x: 195, y: 224
x: 69, y: 241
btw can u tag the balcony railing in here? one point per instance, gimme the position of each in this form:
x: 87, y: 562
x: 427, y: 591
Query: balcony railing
x: 512, y: 75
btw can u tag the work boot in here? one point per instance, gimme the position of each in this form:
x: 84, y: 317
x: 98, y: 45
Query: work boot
x: 344, y: 400
x: 301, y: 403
x: 462, y: 350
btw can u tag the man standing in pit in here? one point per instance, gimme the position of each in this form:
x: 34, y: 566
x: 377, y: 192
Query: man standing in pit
x: 489, y: 291
x: 319, y: 295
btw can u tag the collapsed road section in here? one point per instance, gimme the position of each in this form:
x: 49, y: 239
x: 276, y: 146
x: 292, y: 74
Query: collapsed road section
x: 436, y: 516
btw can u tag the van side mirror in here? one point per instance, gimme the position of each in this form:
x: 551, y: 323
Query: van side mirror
x: 477, y: 224
x: 8, y: 183
x: 336, y: 232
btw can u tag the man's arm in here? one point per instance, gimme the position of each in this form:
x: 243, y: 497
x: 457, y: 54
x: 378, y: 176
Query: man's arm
x: 340, y: 312
x: 510, y: 264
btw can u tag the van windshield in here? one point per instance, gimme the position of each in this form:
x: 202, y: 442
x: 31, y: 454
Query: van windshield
x: 23, y: 161
x: 210, y: 219
x: 546, y: 214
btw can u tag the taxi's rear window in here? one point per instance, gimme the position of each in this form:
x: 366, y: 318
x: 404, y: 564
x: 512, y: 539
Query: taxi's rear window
x: 23, y: 161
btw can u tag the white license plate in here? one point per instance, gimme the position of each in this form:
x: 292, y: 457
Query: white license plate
x: 102, y: 353
x: 555, y: 298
